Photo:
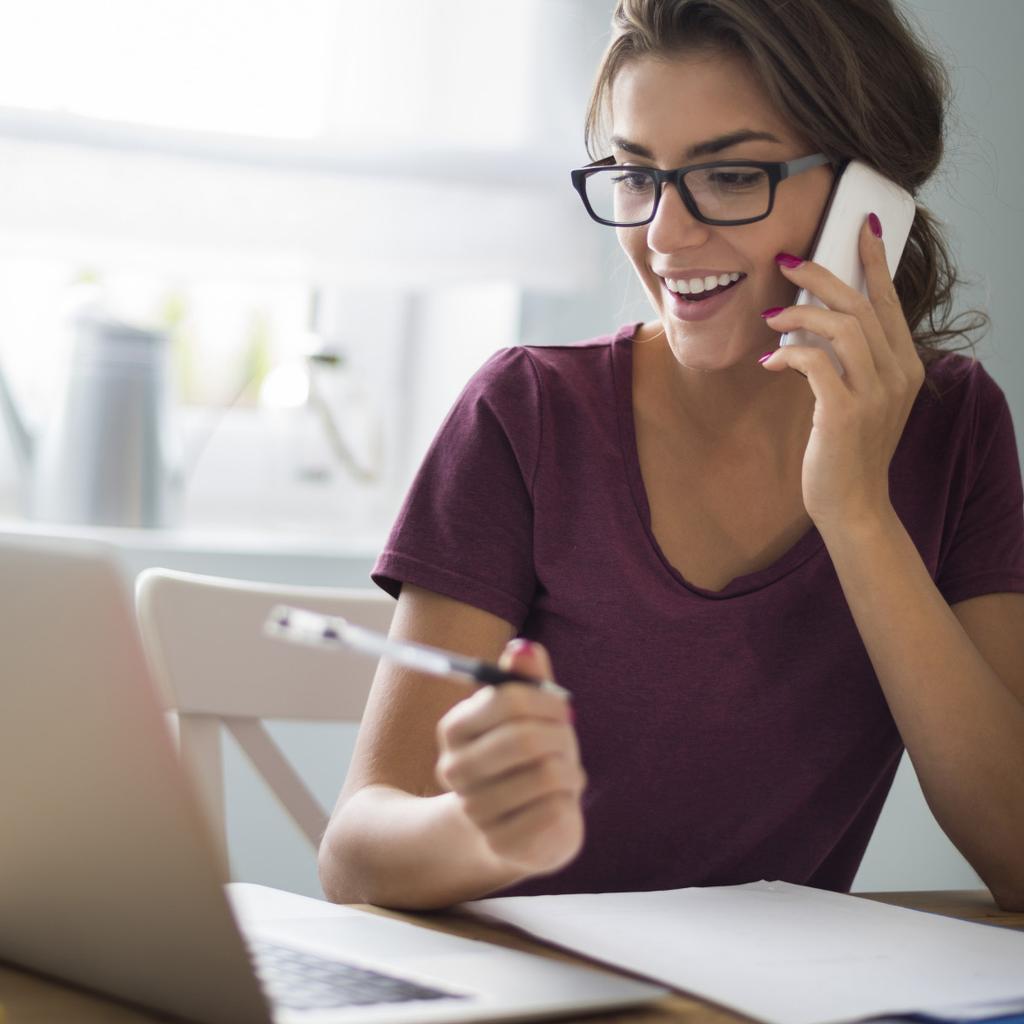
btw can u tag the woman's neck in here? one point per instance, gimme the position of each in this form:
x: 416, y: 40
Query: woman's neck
x: 739, y: 408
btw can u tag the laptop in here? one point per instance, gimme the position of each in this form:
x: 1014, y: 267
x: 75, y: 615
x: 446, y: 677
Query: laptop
x: 109, y: 879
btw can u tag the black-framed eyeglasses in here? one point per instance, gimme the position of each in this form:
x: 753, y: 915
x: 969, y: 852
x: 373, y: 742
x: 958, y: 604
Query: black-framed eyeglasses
x: 725, y: 192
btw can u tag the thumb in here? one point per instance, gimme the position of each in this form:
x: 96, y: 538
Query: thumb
x: 527, y: 658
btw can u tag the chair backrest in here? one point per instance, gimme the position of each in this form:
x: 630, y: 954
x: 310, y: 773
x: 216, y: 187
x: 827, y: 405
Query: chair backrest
x: 204, y: 640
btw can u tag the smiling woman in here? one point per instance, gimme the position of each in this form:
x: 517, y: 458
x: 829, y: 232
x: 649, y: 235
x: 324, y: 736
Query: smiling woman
x: 722, y: 91
x: 758, y: 586
x: 857, y: 105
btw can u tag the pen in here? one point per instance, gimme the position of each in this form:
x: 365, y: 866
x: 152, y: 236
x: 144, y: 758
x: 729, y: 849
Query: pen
x: 301, y: 626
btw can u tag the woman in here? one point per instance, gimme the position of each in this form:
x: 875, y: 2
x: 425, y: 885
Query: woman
x: 757, y: 585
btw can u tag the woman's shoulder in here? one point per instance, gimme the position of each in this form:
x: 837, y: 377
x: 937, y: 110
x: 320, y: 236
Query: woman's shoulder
x: 958, y: 389
x: 960, y: 403
x: 584, y: 351
x: 571, y: 364
x: 957, y: 377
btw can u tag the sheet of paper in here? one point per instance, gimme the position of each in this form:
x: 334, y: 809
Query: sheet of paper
x: 782, y: 953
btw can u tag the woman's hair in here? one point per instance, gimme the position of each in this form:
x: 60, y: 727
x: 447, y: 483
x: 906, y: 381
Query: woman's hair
x: 857, y: 81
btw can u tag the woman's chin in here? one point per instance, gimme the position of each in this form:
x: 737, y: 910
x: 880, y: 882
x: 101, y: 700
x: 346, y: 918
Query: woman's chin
x: 708, y: 357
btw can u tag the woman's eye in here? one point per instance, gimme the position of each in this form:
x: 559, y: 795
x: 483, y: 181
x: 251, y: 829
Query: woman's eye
x: 736, y: 181
x: 632, y: 182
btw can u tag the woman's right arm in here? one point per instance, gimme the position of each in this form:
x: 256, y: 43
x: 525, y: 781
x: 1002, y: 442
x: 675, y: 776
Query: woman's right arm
x: 454, y: 793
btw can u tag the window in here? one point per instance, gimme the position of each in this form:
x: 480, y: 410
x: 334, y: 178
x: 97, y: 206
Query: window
x: 439, y: 72
x: 230, y: 171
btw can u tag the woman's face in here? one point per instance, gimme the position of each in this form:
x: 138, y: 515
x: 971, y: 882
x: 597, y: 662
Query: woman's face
x: 661, y: 111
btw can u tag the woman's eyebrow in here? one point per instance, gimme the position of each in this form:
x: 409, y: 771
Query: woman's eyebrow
x: 706, y: 148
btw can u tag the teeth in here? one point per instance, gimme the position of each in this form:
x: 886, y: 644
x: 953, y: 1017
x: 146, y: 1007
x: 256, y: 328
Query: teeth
x: 696, y: 285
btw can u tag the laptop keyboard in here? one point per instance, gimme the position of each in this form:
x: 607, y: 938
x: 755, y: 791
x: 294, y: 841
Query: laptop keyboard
x: 297, y: 980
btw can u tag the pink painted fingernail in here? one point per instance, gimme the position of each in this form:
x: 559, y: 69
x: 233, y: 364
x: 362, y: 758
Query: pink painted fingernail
x: 875, y: 224
x: 774, y: 311
x: 764, y: 359
x: 523, y: 646
x: 786, y: 259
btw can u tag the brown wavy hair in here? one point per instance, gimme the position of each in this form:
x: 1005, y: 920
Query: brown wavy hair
x: 858, y: 81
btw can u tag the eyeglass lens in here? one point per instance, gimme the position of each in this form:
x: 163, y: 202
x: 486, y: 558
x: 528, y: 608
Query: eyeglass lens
x: 721, y: 193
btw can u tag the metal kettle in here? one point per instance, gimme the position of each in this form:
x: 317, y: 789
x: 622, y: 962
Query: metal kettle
x: 109, y: 456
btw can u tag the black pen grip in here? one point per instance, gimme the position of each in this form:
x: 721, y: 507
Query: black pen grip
x: 484, y: 672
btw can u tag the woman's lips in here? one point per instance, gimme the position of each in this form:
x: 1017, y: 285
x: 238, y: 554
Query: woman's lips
x: 689, y: 309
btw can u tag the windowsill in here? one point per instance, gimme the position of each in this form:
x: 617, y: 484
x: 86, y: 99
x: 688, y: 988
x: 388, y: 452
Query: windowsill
x: 246, y: 510
x: 269, y: 556
x: 201, y: 539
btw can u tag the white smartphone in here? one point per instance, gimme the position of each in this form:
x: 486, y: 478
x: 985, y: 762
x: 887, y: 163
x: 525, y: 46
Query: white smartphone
x: 858, y: 191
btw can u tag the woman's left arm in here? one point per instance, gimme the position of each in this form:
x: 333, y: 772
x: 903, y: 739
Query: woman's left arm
x: 953, y: 677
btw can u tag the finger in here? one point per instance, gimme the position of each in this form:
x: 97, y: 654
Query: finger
x: 490, y: 706
x: 840, y: 297
x: 883, y: 295
x: 506, y: 748
x: 517, y: 744
x: 844, y: 334
x: 516, y: 790
x: 816, y: 365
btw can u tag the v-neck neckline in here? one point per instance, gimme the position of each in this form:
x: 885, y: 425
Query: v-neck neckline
x: 809, y: 544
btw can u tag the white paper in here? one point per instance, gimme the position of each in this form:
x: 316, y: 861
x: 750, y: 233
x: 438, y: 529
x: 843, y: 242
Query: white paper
x: 783, y: 953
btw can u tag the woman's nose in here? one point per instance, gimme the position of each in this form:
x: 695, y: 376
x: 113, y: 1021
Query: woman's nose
x: 674, y: 227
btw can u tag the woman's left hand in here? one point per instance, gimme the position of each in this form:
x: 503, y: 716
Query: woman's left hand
x: 858, y: 418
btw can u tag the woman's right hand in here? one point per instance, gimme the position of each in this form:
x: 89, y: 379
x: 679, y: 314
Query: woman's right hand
x: 510, y: 754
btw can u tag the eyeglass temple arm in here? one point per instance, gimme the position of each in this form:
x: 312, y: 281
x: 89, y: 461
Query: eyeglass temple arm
x: 805, y: 163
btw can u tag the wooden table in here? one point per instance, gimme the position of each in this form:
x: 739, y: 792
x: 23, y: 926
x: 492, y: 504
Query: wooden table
x: 31, y: 999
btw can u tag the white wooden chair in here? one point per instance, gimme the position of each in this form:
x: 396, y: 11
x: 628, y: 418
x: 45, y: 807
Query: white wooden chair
x: 204, y: 640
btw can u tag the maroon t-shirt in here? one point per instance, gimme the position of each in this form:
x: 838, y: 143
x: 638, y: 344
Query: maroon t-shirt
x: 728, y: 735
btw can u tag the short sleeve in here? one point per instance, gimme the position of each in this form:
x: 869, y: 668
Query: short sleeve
x: 986, y: 555
x: 465, y: 529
